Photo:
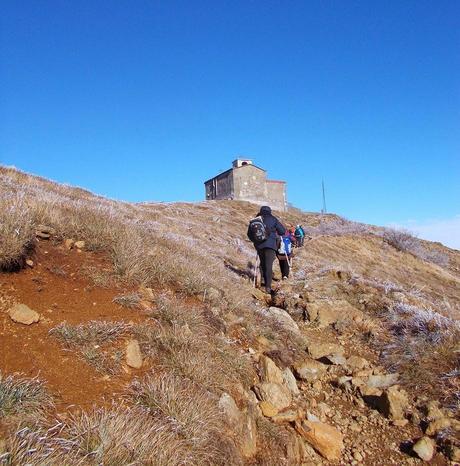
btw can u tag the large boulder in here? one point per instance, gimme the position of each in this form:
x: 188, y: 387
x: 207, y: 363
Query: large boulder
x: 22, y: 314
x: 324, y: 313
x: 290, y: 381
x: 248, y: 433
x: 231, y: 411
x: 393, y: 403
x: 325, y: 439
x: 277, y: 395
x: 382, y: 381
x: 283, y: 318
x: 318, y: 350
x: 269, y: 371
x: 309, y: 370
x: 357, y: 363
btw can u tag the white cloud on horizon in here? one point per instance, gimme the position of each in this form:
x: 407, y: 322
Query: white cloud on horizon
x: 446, y: 231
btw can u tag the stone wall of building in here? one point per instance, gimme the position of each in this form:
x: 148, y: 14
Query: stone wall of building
x: 276, y: 195
x: 249, y: 183
x: 220, y: 187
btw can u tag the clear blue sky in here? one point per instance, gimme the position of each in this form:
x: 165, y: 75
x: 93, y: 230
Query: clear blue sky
x: 144, y: 100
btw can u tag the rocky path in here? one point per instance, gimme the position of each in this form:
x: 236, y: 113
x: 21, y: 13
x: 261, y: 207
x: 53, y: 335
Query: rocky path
x: 338, y: 402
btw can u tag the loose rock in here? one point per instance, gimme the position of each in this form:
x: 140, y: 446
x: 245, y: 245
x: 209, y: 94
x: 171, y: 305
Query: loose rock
x: 290, y: 382
x: 393, y: 403
x: 283, y: 318
x: 68, y: 243
x: 133, y: 354
x: 320, y: 350
x: 324, y: 438
x: 309, y: 370
x: 424, y: 448
x: 22, y: 314
x: 270, y: 372
x: 277, y: 395
x: 79, y: 244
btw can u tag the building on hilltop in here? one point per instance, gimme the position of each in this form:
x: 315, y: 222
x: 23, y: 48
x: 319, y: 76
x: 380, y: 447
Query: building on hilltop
x: 247, y: 182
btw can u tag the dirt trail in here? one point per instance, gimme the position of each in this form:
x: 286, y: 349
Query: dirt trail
x: 59, y: 288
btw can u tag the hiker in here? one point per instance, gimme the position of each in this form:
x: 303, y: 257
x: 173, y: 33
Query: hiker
x: 284, y: 255
x: 299, y: 235
x: 263, y: 231
x: 293, y: 237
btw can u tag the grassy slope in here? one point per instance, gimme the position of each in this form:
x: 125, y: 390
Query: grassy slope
x: 201, y: 250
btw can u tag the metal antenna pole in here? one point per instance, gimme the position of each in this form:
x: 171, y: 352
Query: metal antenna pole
x: 324, y: 210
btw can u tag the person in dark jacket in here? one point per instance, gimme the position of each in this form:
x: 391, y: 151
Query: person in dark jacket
x: 267, y: 249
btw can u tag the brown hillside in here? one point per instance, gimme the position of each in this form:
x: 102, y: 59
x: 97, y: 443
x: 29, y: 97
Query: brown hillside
x: 353, y: 360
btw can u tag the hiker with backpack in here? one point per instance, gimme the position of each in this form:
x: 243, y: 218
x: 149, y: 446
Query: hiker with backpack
x: 299, y: 235
x: 263, y: 231
x: 284, y: 255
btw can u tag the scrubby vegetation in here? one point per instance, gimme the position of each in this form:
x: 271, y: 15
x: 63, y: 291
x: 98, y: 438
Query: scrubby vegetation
x: 19, y: 394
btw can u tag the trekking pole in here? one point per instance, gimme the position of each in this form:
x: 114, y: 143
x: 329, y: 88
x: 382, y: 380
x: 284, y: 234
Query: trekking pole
x: 288, y: 261
x: 256, y: 270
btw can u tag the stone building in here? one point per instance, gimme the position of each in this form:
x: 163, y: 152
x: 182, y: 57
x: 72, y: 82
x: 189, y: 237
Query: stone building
x: 247, y: 182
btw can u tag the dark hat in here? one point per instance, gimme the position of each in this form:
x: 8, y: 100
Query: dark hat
x: 265, y: 210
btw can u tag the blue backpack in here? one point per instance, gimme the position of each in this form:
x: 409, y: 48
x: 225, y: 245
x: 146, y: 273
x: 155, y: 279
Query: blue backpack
x: 285, y: 246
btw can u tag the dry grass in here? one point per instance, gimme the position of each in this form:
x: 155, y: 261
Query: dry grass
x: 87, y: 339
x: 129, y: 300
x: 425, y: 350
x: 190, y: 414
x: 405, y: 241
x: 20, y: 395
x: 91, y: 333
x: 117, y: 436
x: 16, y: 231
x: 182, y: 332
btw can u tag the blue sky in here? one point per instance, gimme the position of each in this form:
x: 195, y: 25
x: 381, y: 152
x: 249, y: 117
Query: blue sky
x: 145, y: 100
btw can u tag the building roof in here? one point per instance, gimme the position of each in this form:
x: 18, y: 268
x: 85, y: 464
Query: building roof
x: 276, y: 181
x: 235, y: 168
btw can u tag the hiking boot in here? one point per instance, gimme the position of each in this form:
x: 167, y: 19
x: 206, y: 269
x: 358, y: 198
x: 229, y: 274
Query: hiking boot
x: 268, y: 291
x: 285, y: 278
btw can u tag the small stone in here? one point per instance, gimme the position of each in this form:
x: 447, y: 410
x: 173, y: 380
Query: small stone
x: 269, y: 371
x: 30, y: 263
x: 320, y: 350
x: 317, y: 385
x: 401, y: 422
x: 393, y: 403
x: 325, y: 439
x: 79, y: 244
x: 309, y: 370
x: 286, y: 416
x: 337, y: 359
x: 290, y: 382
x: 382, y: 381
x: 22, y: 314
x: 68, y: 243
x: 357, y: 363
x: 424, y: 448
x: 133, y: 354
x: 268, y: 410
x: 437, y: 425
x: 277, y: 395
x: 357, y: 456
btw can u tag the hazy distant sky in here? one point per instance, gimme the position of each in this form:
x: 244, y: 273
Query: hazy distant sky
x: 144, y: 100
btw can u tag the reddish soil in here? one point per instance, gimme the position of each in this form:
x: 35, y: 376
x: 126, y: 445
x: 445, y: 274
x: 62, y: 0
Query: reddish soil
x: 58, y: 289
